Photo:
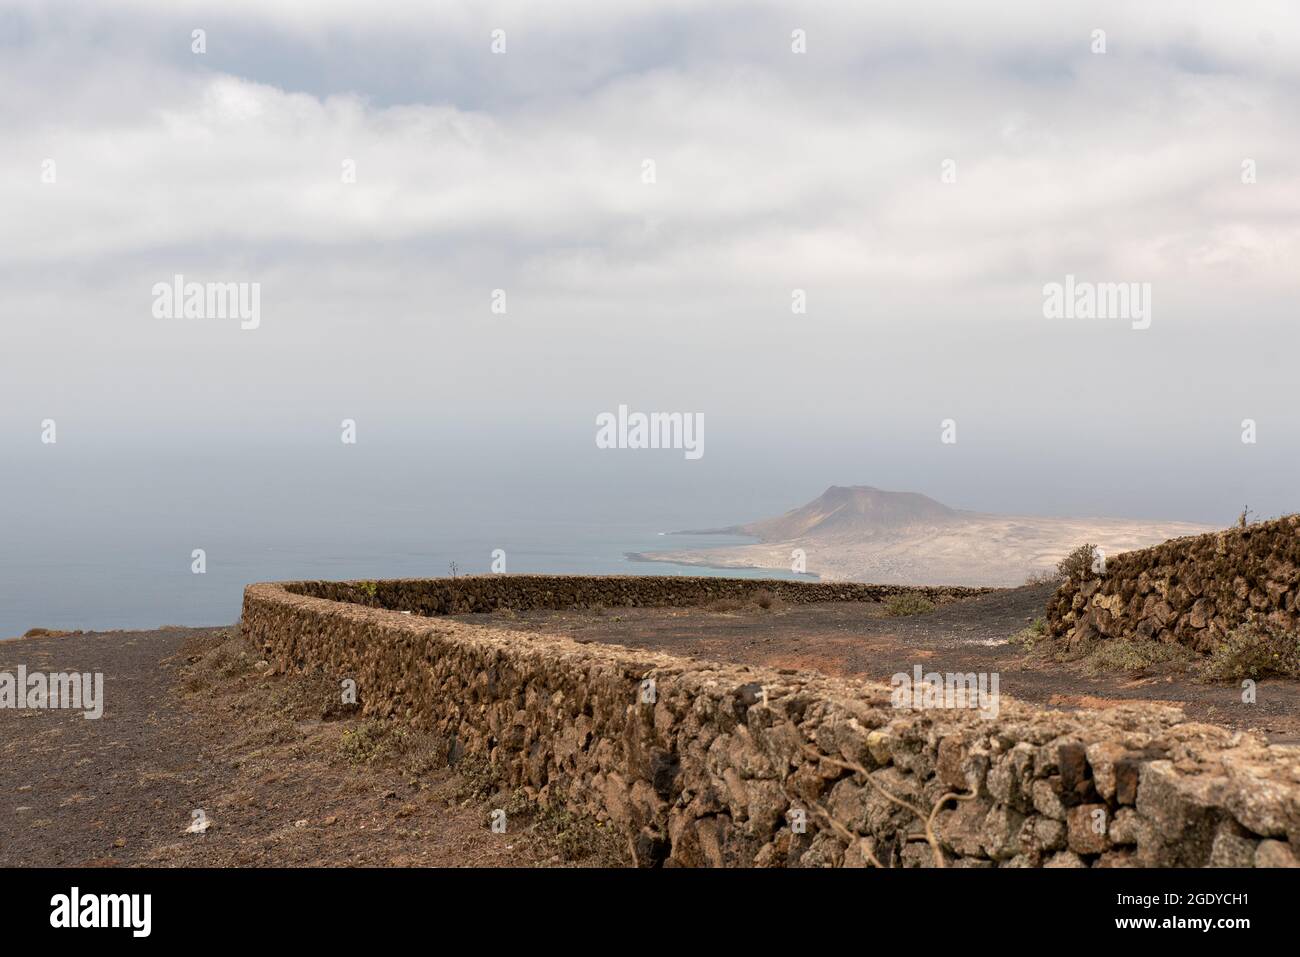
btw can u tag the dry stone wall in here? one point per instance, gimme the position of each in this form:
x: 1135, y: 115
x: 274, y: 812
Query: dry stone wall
x: 1188, y: 590
x: 484, y: 593
x: 726, y: 765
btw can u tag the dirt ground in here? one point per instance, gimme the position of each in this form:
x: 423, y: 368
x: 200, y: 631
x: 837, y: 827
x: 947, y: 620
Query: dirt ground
x: 861, y: 640
x: 281, y: 774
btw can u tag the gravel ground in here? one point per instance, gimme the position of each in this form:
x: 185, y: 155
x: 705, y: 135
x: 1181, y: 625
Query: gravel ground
x: 282, y: 775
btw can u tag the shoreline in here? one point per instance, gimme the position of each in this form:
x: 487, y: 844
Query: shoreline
x: 651, y: 558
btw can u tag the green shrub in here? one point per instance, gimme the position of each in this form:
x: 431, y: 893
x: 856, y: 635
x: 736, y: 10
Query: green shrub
x: 1077, y: 566
x: 576, y: 837
x: 1121, y: 654
x: 1254, y: 650
x: 908, y: 603
x: 476, y: 778
x: 1028, y: 637
x: 371, y: 741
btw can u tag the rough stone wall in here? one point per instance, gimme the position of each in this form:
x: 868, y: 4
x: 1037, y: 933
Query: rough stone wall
x: 482, y: 593
x: 1189, y: 590
x: 717, y: 769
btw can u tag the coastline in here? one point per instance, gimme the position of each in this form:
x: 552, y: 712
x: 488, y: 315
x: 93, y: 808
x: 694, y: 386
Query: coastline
x: 667, y: 559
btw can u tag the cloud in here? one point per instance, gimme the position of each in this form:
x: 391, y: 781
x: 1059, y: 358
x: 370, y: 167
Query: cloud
x: 827, y: 163
x: 774, y: 171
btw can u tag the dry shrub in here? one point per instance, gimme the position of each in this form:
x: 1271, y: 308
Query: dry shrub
x: 908, y: 603
x: 372, y: 741
x: 1044, y: 576
x: 1077, y: 566
x: 47, y: 633
x: 723, y: 605
x: 1254, y: 650
x: 1125, y: 655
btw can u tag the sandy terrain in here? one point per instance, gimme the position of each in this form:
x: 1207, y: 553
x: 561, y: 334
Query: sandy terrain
x: 902, y: 538
x: 997, y: 550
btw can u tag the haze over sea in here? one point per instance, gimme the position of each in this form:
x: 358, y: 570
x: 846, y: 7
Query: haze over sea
x: 106, y: 543
x: 97, y: 531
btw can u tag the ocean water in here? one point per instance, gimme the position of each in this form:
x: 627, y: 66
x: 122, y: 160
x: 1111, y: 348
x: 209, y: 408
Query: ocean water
x: 99, y: 541
x: 143, y: 585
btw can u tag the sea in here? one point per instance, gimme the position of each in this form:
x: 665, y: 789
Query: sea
x: 97, y: 548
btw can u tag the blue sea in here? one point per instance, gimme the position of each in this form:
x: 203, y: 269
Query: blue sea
x: 138, y: 584
x: 98, y: 542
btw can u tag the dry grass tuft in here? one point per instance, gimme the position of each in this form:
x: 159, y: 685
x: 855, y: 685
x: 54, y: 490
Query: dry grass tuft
x: 908, y: 603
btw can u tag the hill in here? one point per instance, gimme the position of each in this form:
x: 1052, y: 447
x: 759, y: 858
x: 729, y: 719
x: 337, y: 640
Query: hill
x: 852, y: 510
x: 862, y: 533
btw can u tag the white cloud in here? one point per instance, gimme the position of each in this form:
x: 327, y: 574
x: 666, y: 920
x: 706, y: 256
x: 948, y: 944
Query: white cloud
x: 832, y: 161
x: 775, y: 171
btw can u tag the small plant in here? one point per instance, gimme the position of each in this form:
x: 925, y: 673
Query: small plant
x: 764, y: 599
x: 46, y: 633
x: 1044, y: 576
x: 370, y: 742
x: 454, y: 568
x: 1080, y: 564
x: 518, y: 804
x: 908, y: 603
x: 1028, y: 637
x: 476, y: 778
x: 1244, y: 518
x: 575, y: 837
x: 1122, y: 654
x: 1254, y: 650
x: 369, y: 589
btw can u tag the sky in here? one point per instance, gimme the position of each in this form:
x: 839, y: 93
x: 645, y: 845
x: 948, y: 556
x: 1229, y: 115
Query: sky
x: 648, y: 188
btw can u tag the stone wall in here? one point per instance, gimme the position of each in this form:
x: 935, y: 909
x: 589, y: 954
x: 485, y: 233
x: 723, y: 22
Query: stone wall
x: 483, y: 593
x: 1189, y: 590
x: 718, y: 765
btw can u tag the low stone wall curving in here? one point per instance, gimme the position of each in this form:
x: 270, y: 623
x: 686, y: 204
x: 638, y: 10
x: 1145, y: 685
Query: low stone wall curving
x: 483, y: 593
x: 723, y: 765
x: 1189, y: 590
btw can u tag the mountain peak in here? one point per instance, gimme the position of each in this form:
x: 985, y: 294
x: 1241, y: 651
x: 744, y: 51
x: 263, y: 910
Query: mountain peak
x: 857, y: 510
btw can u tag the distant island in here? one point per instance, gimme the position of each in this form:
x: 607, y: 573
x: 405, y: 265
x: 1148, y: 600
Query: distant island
x: 861, y: 533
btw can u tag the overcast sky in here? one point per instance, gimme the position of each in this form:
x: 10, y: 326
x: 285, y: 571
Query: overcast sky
x: 774, y: 171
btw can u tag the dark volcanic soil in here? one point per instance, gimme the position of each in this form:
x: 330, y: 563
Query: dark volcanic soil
x: 284, y: 778
x: 852, y: 639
